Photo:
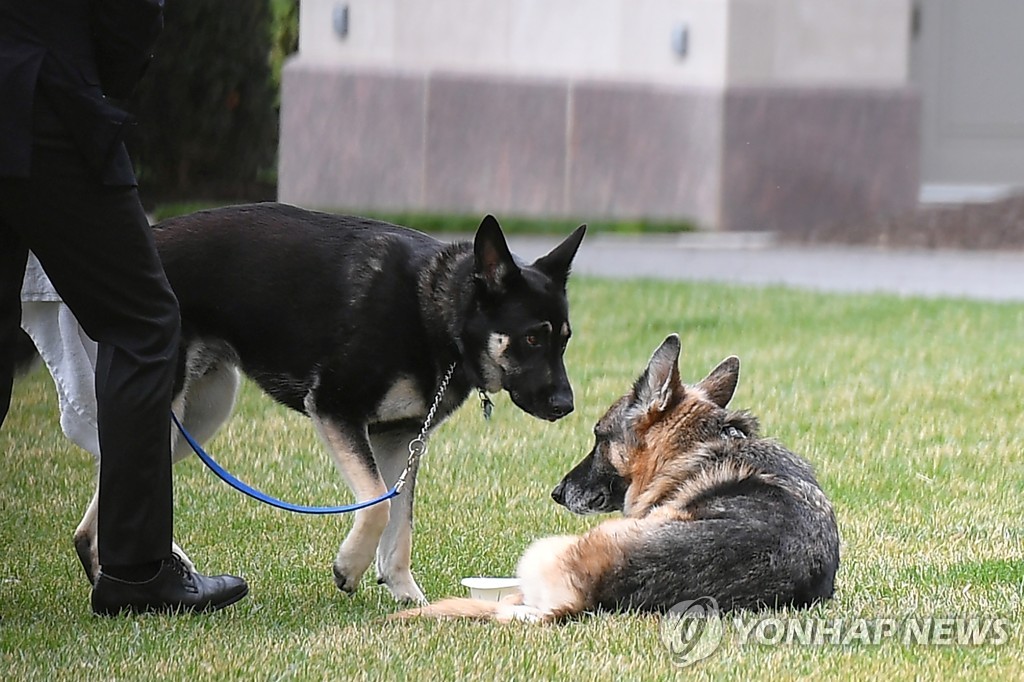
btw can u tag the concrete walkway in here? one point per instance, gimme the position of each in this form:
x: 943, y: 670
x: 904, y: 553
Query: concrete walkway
x: 757, y: 260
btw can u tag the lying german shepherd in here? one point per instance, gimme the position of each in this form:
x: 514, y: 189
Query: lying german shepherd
x: 354, y: 323
x: 710, y: 509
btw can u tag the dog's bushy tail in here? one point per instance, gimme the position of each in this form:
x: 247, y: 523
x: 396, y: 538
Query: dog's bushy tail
x: 505, y: 611
x: 475, y: 609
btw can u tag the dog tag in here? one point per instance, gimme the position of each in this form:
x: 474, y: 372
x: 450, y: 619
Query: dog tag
x: 486, y: 405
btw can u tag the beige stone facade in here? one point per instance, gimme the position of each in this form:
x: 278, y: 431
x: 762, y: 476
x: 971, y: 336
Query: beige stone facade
x: 739, y: 114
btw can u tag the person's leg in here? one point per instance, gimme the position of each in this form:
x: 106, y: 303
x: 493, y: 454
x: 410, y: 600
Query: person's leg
x: 97, y: 249
x: 13, y: 256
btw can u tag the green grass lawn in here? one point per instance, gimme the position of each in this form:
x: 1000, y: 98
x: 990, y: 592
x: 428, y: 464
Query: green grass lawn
x: 910, y: 411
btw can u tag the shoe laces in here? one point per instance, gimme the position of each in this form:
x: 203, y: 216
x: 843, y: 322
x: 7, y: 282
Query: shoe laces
x: 179, y: 567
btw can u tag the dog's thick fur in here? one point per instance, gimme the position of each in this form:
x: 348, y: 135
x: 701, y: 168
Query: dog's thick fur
x: 709, y: 509
x: 354, y: 322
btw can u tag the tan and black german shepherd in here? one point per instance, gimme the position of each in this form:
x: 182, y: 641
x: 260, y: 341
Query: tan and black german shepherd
x: 709, y: 509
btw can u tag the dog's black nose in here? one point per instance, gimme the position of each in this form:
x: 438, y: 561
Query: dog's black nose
x: 558, y: 494
x: 561, y: 405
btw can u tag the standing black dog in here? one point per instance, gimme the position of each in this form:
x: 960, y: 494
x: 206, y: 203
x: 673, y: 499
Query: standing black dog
x: 354, y: 323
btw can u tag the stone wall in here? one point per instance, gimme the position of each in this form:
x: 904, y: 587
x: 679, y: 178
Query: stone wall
x: 739, y: 114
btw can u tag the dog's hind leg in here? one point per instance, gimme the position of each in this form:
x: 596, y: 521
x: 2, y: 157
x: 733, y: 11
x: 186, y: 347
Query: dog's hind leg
x: 394, y: 554
x: 350, y: 450
x: 86, y: 544
x: 85, y: 539
x: 205, y: 403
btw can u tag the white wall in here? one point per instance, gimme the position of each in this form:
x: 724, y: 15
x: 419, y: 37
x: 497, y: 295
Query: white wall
x: 968, y: 60
x: 748, y: 42
x: 821, y: 42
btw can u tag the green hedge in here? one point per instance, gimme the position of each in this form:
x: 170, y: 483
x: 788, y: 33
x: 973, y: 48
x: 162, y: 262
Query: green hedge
x: 208, y: 105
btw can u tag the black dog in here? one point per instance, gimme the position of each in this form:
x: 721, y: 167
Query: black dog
x: 355, y: 322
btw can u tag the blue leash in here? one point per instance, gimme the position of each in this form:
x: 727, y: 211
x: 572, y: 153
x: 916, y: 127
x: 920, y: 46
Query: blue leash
x: 417, y: 448
x: 247, y: 489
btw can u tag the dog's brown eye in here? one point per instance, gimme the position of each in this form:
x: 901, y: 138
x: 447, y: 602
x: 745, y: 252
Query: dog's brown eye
x: 532, y: 340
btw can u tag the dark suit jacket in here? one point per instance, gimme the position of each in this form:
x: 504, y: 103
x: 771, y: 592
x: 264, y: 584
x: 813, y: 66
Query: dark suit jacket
x: 59, y: 59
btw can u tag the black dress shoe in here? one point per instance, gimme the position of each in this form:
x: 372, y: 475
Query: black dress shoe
x: 173, y: 589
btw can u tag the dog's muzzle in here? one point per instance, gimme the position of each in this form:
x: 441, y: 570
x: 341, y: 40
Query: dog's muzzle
x: 560, y: 405
x: 552, y: 408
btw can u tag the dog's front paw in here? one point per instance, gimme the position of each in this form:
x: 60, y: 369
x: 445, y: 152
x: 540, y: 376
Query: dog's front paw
x: 405, y: 590
x: 354, y: 557
x: 346, y: 580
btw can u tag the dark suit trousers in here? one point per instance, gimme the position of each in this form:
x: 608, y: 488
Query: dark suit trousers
x: 95, y: 245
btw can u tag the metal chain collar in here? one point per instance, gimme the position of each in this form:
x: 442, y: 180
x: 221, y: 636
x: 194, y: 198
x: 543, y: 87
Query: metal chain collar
x: 418, y: 445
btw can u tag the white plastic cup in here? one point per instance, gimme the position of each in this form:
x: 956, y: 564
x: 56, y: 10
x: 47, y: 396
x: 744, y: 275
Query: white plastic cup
x: 491, y: 589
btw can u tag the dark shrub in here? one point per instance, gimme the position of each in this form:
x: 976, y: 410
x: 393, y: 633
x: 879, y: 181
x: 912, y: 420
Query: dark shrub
x: 206, y: 108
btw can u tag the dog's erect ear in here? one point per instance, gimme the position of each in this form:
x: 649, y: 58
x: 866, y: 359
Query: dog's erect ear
x: 494, y: 263
x: 558, y: 262
x: 720, y: 383
x: 660, y: 381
